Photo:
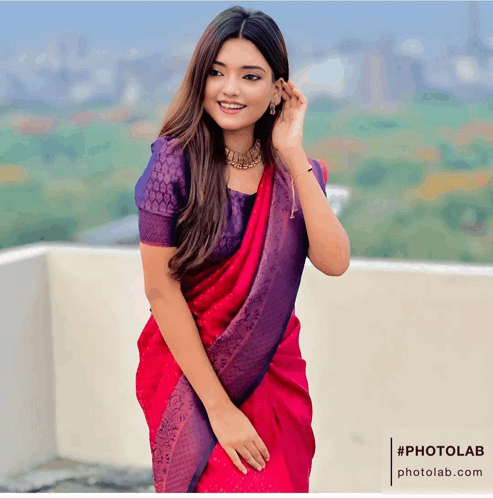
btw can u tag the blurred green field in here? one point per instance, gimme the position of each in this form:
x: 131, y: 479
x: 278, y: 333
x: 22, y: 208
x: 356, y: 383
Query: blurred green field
x: 79, y: 177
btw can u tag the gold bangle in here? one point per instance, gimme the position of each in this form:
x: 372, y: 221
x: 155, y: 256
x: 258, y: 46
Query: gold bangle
x: 293, y: 179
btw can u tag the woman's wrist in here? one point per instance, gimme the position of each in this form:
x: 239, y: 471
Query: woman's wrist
x: 296, y: 161
x: 218, y: 405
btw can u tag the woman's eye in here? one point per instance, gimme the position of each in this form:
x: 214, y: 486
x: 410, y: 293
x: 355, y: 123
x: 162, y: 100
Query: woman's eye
x: 250, y: 77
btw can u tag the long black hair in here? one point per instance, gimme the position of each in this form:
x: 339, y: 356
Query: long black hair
x: 200, y: 224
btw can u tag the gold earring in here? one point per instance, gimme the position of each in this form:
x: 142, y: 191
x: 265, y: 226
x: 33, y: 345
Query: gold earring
x: 272, y: 108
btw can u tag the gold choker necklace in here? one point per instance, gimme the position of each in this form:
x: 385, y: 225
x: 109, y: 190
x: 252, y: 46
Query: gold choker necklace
x: 244, y: 160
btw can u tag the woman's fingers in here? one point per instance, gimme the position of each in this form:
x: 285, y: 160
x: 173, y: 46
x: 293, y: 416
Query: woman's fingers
x: 299, y: 95
x: 261, y: 447
x: 293, y: 92
x: 236, y: 459
x: 287, y: 101
x: 238, y: 437
x: 255, y: 453
x: 287, y: 93
x: 290, y: 89
x: 247, y: 456
x: 291, y: 100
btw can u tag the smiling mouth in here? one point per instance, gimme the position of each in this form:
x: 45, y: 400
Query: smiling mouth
x: 232, y: 108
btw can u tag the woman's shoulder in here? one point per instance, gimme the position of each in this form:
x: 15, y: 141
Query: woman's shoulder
x: 164, y: 145
x: 168, y: 156
x: 320, y: 170
x: 323, y: 168
x: 164, y: 185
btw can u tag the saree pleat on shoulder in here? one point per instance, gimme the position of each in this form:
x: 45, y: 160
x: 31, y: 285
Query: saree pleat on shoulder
x: 244, y: 311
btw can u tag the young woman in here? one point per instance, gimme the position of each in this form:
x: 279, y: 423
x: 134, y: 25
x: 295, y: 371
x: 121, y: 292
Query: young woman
x: 224, y: 238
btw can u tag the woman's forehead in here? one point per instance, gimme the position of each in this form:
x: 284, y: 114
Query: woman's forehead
x: 238, y: 52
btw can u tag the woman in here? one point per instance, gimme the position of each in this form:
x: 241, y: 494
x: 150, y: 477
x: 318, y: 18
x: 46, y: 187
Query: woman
x: 221, y: 379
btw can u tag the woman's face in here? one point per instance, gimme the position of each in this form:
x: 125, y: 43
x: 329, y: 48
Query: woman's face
x: 230, y: 80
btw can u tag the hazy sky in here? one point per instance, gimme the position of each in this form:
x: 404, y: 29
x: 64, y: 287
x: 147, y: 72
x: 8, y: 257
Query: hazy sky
x: 156, y: 26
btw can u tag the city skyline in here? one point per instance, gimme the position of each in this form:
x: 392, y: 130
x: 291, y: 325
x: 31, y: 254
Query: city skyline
x: 72, y: 67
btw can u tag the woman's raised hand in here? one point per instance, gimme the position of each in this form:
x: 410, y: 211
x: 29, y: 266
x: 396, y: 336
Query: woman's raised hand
x: 236, y: 435
x: 287, y: 134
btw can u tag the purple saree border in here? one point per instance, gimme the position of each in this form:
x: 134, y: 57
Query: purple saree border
x: 241, y: 355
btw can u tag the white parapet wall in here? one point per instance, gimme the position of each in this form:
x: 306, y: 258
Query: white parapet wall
x: 388, y: 344
x: 27, y: 382
x: 393, y: 345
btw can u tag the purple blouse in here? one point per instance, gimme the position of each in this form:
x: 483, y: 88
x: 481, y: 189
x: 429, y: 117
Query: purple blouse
x: 166, y: 185
x: 162, y: 192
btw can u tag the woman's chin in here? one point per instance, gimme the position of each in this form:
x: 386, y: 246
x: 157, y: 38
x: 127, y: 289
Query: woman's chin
x: 231, y: 122
x: 227, y: 125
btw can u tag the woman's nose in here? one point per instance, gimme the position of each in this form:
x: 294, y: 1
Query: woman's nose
x: 231, y: 85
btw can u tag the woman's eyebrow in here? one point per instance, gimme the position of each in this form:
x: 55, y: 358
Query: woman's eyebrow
x: 242, y: 67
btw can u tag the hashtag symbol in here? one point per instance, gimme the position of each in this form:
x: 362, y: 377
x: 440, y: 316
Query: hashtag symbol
x: 400, y: 451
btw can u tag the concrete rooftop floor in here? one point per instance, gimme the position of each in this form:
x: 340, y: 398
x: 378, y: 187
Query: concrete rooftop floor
x: 63, y: 475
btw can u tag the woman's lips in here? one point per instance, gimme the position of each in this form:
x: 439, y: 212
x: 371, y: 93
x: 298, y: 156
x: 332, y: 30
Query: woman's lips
x: 229, y: 111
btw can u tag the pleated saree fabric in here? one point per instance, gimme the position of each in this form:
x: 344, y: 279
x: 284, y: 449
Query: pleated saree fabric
x: 244, y: 311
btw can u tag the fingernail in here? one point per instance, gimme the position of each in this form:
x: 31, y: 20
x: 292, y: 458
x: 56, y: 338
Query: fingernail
x: 259, y: 468
x: 244, y: 471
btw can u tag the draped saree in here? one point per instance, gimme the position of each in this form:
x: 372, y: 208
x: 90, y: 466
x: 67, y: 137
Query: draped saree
x: 244, y: 311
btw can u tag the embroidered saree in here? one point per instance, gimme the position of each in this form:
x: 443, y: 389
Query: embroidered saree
x: 244, y: 311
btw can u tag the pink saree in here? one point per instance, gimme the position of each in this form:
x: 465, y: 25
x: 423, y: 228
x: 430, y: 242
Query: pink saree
x: 244, y: 311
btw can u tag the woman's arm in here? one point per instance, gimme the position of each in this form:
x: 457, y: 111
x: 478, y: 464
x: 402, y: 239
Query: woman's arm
x: 177, y: 325
x: 329, y: 248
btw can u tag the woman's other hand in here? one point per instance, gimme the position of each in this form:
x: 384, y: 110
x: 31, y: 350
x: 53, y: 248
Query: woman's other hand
x: 236, y: 435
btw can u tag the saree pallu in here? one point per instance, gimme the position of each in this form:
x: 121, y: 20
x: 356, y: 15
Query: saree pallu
x: 244, y: 311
